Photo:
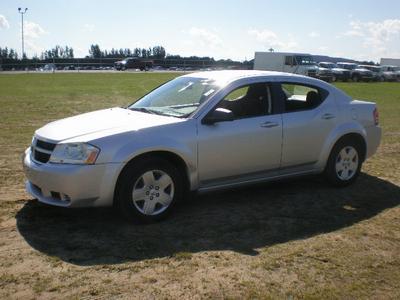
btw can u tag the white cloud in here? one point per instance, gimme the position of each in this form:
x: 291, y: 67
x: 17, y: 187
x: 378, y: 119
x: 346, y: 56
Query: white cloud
x: 380, y: 38
x: 313, y: 34
x: 206, y: 37
x: 32, y: 33
x: 4, y: 23
x: 375, y: 34
x: 270, y: 39
x: 88, y: 27
x: 33, y: 30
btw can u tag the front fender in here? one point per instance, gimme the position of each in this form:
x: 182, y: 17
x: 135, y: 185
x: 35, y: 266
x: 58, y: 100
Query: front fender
x: 339, y: 131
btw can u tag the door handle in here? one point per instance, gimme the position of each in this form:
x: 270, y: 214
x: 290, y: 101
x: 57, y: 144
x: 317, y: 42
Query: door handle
x: 328, y: 116
x: 269, y: 124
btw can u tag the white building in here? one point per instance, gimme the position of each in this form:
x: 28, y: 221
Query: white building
x: 390, y: 62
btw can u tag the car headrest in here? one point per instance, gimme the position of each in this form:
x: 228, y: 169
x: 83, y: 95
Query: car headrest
x: 313, y: 99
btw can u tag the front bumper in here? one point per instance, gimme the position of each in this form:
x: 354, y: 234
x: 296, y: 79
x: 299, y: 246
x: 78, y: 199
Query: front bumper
x: 325, y: 77
x: 70, y: 185
x: 342, y: 76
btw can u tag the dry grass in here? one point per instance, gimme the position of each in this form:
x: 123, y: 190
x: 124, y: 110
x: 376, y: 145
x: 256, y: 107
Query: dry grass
x: 293, y: 239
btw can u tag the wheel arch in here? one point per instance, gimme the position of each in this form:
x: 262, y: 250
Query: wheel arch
x: 348, y: 130
x: 169, y: 156
x: 355, y: 136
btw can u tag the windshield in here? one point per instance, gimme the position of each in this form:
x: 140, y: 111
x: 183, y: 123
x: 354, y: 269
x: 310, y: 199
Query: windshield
x: 371, y: 68
x: 177, y: 98
x: 348, y: 66
x: 305, y: 60
x: 329, y: 66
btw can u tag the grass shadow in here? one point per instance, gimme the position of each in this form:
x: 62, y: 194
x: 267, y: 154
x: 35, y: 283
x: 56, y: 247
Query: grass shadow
x: 241, y: 220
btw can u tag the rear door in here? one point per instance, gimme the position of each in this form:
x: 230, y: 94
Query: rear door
x: 309, y: 115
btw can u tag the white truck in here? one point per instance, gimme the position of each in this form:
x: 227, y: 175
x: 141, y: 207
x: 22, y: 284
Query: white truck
x: 296, y: 63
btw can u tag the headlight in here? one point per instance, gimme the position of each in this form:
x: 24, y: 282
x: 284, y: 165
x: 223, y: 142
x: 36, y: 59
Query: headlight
x: 75, y: 153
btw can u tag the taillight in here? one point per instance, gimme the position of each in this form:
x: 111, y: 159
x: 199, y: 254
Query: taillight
x: 376, y: 116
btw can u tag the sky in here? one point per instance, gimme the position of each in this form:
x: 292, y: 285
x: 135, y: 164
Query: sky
x: 235, y: 29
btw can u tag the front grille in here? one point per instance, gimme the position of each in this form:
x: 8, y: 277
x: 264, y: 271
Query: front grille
x: 42, y: 150
x: 40, y: 156
x: 45, y: 145
x: 346, y: 74
x: 312, y: 73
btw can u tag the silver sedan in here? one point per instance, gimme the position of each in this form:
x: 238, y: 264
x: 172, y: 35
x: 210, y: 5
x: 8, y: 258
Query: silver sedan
x: 201, y: 132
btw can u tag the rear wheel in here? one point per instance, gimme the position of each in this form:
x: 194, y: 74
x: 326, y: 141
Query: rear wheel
x: 148, y: 190
x: 344, y: 163
x: 356, y: 78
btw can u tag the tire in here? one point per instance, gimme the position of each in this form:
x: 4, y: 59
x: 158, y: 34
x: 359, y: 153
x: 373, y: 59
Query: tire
x: 148, y: 189
x: 344, y: 163
x: 356, y: 78
x: 334, y: 79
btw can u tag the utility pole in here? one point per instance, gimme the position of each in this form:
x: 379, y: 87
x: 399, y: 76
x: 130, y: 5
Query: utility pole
x: 22, y: 12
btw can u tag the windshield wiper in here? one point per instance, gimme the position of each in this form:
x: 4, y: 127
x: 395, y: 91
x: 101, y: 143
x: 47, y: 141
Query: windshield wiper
x: 143, y: 109
x: 149, y: 111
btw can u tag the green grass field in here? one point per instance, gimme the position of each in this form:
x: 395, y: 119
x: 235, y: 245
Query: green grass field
x: 293, y: 239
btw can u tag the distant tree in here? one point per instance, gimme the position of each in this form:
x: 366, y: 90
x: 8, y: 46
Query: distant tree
x: 159, y: 52
x: 95, y: 51
x: 137, y: 52
x: 70, y: 53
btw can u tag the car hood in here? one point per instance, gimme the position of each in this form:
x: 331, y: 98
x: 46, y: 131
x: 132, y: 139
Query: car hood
x: 102, y: 123
x: 362, y: 70
x: 339, y: 70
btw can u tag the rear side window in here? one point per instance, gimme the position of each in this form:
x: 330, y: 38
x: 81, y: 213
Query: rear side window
x: 298, y: 97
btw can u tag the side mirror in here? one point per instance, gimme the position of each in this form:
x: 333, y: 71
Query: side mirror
x: 218, y: 115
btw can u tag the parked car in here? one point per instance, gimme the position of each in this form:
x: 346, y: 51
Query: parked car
x: 69, y: 68
x: 356, y: 73
x: 376, y: 71
x: 133, y: 63
x: 201, y: 132
x: 325, y: 74
x: 48, y: 68
x: 384, y: 73
x: 391, y: 73
x: 337, y: 73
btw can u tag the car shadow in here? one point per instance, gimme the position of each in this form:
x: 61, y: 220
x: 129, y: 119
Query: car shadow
x: 241, y: 220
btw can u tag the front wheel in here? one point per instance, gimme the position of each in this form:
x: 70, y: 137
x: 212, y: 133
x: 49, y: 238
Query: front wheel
x: 148, y: 190
x: 344, y: 163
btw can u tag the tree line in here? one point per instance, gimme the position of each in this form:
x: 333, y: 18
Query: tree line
x: 157, y: 52
x: 59, y: 52
x: 65, y: 55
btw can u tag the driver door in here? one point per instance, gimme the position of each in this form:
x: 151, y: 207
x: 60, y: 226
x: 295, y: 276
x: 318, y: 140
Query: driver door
x: 248, y: 145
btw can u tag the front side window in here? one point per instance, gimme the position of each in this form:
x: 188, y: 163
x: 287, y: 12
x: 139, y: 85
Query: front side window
x: 305, y: 60
x: 299, y: 97
x: 178, y: 98
x: 248, y: 101
x: 289, y: 61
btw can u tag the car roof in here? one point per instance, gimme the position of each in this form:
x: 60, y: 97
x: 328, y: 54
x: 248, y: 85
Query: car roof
x: 226, y: 77
x: 232, y: 75
x: 346, y: 63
